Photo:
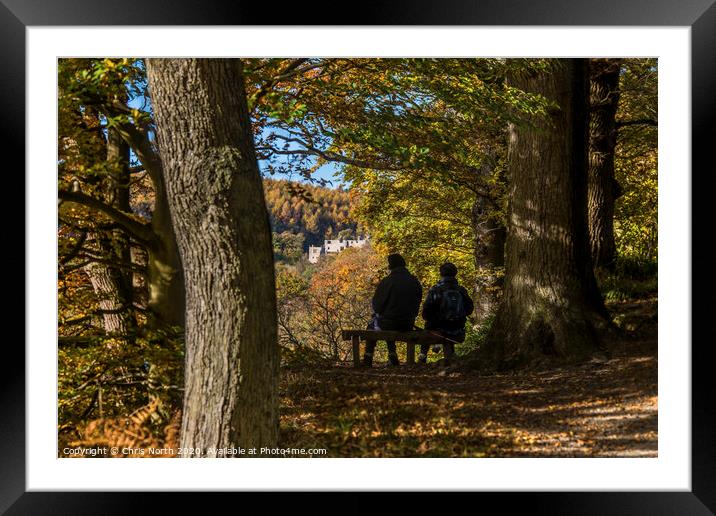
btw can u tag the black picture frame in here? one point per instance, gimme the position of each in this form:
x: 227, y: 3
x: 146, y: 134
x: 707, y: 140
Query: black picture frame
x: 700, y: 15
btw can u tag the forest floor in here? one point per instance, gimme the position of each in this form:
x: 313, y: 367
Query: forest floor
x: 604, y: 408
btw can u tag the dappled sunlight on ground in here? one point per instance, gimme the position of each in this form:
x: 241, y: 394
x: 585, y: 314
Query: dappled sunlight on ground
x: 597, y: 409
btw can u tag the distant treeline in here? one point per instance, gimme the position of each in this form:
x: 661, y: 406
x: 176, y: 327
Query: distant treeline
x: 303, y: 215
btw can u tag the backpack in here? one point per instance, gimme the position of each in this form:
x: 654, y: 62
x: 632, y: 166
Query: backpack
x: 452, y: 306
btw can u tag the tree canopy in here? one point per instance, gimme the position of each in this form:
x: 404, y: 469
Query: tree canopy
x: 172, y: 207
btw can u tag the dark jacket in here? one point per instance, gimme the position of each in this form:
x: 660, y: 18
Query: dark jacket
x: 431, y: 307
x: 397, y: 298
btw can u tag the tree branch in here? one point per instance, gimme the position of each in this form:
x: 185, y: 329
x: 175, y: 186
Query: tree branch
x: 75, y: 250
x: 138, y: 140
x: 330, y: 156
x: 139, y: 230
x: 287, y: 72
x: 640, y: 121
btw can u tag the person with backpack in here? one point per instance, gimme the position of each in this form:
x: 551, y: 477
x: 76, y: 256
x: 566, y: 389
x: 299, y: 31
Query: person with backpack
x: 396, y: 303
x: 445, y: 311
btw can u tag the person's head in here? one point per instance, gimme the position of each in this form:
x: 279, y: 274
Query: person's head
x: 395, y: 261
x: 448, y: 270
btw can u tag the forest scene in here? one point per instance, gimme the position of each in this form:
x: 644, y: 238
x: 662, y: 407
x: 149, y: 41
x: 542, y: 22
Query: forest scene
x: 243, y: 243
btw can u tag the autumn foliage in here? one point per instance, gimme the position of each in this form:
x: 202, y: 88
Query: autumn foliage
x: 421, y: 150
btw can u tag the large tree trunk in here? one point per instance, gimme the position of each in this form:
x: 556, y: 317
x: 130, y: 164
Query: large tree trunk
x: 216, y: 199
x: 113, y: 284
x: 602, y: 187
x: 489, y: 255
x: 106, y: 285
x: 118, y: 158
x: 551, y: 305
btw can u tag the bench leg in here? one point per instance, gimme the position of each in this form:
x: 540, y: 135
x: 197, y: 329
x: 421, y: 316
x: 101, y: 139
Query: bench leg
x: 355, y: 342
x: 410, y: 358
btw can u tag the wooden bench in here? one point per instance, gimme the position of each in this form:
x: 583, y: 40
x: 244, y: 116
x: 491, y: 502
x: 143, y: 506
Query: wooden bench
x: 411, y: 338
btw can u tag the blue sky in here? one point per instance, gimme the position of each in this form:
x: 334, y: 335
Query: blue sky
x: 326, y: 172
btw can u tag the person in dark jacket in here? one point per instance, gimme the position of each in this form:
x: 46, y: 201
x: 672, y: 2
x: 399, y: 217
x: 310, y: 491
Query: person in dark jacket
x: 445, y: 311
x: 395, y: 305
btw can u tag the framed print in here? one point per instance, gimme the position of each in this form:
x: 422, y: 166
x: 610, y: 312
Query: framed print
x: 653, y: 461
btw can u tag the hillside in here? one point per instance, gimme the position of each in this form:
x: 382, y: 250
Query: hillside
x: 303, y: 215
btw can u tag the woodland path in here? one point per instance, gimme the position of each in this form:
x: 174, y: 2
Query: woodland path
x: 596, y: 409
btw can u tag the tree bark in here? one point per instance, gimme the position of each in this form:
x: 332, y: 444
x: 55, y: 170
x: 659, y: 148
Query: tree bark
x: 602, y: 187
x: 489, y: 255
x: 118, y: 159
x: 551, y: 306
x: 216, y: 199
x: 165, y: 277
x: 106, y: 286
x: 113, y: 285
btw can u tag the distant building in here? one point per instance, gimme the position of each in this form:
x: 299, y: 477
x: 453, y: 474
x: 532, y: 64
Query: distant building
x: 333, y: 247
x: 314, y: 253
